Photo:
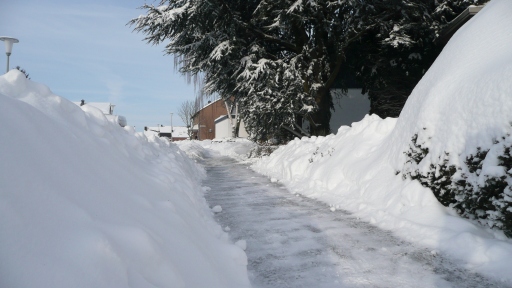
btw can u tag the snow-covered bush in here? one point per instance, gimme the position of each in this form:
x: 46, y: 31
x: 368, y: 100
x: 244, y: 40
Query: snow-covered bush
x: 260, y: 151
x: 476, y: 193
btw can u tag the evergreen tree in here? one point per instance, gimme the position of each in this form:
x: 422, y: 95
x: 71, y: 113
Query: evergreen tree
x: 392, y: 58
x: 278, y: 60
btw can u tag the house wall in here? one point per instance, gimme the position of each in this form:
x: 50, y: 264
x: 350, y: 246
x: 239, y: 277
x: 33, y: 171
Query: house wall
x: 222, y: 129
x: 174, y: 139
x: 350, y: 108
x: 242, y: 133
x: 205, y: 119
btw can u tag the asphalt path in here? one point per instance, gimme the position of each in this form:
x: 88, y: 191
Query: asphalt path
x: 293, y: 241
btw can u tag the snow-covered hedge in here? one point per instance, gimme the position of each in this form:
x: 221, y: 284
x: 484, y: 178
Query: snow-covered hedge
x: 478, y: 188
x: 457, y: 122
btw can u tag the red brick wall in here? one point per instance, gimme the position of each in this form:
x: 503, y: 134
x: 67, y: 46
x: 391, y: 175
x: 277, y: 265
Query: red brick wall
x: 206, y: 117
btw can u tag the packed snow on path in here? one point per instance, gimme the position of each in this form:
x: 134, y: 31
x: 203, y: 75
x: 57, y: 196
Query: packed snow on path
x: 86, y: 203
x: 463, y: 102
x: 237, y: 148
x: 293, y: 241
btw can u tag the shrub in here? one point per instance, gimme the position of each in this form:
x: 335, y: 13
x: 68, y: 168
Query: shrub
x: 260, y: 151
x: 22, y: 71
x: 475, y: 195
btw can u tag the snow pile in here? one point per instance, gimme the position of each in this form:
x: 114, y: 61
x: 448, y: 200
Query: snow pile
x: 461, y: 105
x: 194, y: 149
x: 233, y: 147
x: 86, y: 203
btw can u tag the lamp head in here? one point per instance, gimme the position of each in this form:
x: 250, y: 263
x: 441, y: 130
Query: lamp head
x: 8, y: 43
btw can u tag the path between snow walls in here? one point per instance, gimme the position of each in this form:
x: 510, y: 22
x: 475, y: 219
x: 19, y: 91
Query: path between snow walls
x: 294, y: 241
x: 86, y: 203
x: 463, y: 102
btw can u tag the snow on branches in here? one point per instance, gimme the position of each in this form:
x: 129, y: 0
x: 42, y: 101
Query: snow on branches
x: 276, y: 57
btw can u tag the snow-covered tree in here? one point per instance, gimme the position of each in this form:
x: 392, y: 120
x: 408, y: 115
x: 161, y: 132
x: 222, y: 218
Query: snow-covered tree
x: 392, y: 58
x: 279, y: 59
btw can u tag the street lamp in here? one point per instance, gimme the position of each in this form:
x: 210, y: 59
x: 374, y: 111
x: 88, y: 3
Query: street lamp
x: 171, y: 124
x: 8, y: 47
x: 172, y: 130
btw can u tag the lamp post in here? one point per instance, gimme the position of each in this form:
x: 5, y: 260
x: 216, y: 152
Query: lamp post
x: 172, y: 130
x: 8, y: 47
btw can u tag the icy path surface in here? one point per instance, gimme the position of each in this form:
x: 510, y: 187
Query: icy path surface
x: 294, y: 241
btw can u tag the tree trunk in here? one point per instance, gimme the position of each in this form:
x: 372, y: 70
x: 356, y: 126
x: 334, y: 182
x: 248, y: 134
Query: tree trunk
x: 319, y: 121
x: 235, y: 127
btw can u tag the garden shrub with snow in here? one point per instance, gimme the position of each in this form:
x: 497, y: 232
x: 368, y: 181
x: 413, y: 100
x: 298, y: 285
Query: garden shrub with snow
x: 458, y: 121
x: 261, y: 150
x: 478, y: 187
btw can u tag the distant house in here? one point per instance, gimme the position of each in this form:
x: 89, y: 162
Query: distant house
x: 203, y: 121
x: 160, y: 131
x: 107, y: 109
x: 174, y: 133
x: 212, y: 122
x: 179, y: 133
x: 223, y: 128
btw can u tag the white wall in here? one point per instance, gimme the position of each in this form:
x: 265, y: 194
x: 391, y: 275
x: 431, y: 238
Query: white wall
x: 350, y: 108
x: 241, y: 131
x: 223, y: 129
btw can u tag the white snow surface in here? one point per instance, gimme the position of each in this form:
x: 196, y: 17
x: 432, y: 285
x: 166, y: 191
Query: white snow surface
x: 463, y: 102
x: 233, y: 147
x: 86, y: 203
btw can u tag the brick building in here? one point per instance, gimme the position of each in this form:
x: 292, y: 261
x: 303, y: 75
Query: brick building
x: 203, y: 122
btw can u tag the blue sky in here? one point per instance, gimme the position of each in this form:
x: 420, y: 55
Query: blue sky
x: 84, y: 50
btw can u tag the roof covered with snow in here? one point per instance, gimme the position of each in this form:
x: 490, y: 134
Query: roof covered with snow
x: 177, y: 131
x: 180, y: 132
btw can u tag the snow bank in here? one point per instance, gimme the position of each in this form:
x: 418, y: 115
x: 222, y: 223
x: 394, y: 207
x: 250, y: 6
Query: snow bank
x: 233, y: 147
x: 193, y: 148
x: 86, y: 203
x: 462, y: 103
